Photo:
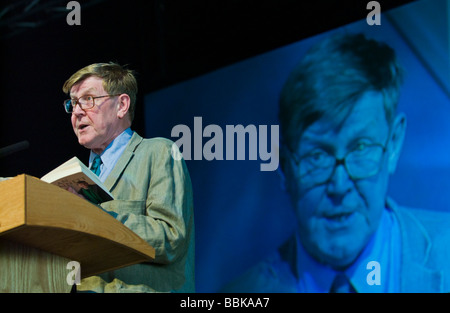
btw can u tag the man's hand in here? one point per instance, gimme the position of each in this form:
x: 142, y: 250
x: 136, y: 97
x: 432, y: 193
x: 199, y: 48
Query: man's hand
x: 70, y: 189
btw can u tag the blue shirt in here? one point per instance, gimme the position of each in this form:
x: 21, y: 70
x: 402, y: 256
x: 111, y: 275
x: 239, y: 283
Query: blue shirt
x: 384, y: 248
x: 112, y: 153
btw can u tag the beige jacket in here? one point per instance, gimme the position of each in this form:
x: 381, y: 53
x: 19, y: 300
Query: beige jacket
x: 153, y: 197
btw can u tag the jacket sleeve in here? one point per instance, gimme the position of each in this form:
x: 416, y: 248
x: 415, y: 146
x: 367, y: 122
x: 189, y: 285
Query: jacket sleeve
x: 154, y: 199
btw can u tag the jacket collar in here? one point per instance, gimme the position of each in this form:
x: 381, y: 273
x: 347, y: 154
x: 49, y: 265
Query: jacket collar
x: 123, y: 161
x: 416, y: 275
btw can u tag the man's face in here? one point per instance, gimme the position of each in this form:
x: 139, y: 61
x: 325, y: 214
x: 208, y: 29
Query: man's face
x: 96, y: 127
x: 337, y: 217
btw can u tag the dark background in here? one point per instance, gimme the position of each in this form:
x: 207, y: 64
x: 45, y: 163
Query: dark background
x: 164, y: 41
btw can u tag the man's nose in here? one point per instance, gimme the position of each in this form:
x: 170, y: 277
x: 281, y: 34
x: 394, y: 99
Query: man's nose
x: 340, y: 182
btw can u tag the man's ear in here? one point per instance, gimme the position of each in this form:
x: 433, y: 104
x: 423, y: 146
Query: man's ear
x: 396, y: 141
x: 123, y: 105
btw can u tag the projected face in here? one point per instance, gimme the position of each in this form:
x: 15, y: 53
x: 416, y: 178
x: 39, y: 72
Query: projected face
x: 338, y: 180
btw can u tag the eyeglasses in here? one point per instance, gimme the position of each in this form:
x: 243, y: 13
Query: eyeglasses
x: 85, y: 102
x: 318, y: 166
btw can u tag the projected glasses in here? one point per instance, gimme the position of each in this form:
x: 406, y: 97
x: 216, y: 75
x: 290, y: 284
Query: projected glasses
x: 317, y: 166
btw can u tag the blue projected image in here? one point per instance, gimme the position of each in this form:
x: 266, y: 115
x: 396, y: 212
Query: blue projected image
x: 358, y: 201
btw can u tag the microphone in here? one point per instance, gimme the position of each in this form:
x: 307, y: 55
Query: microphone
x: 22, y: 145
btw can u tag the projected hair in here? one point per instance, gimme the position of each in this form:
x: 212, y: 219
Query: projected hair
x: 331, y: 77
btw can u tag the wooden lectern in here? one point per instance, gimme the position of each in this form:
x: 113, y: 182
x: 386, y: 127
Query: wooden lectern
x: 43, y: 228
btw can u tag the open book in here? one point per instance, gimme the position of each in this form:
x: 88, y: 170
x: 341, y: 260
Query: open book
x: 75, y: 174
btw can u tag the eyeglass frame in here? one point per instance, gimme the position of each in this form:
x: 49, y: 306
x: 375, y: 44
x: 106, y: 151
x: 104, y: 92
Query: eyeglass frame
x: 340, y: 161
x: 77, y: 102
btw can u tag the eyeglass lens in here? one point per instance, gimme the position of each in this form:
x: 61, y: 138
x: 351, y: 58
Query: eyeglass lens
x: 358, y: 165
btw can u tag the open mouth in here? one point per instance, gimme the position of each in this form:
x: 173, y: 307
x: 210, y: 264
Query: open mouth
x: 339, y: 217
x: 82, y: 126
x: 339, y: 220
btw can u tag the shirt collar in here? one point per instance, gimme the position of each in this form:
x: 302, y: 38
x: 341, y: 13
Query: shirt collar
x: 112, y: 153
x: 383, y: 247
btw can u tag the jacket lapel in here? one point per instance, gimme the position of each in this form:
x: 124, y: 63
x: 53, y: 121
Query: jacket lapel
x: 123, y: 161
x: 416, y: 247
